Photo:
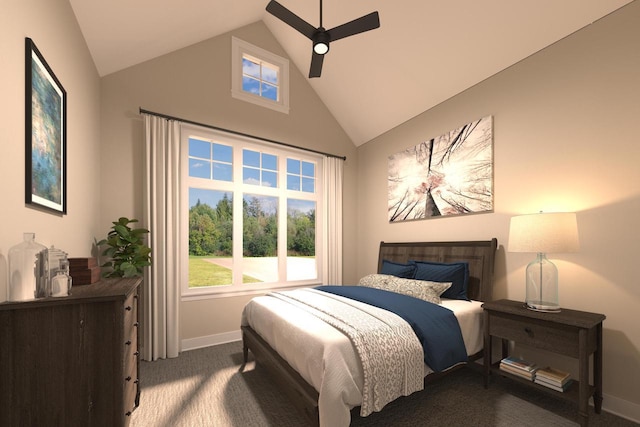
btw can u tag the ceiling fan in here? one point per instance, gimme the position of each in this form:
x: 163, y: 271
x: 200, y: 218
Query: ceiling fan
x: 319, y: 36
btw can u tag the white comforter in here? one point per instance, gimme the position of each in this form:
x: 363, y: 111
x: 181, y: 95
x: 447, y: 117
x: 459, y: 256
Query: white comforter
x: 325, y: 357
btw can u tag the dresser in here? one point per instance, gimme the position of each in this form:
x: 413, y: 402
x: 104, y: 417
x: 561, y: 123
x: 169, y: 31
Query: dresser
x: 577, y: 334
x: 71, y: 361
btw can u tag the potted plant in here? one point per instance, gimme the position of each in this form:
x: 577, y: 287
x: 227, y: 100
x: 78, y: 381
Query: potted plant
x: 125, y: 247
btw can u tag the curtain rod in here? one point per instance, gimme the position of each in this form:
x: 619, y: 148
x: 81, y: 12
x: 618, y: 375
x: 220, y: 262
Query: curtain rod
x: 164, y: 116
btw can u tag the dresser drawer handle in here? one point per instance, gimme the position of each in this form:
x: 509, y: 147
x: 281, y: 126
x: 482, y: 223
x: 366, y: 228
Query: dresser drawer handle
x: 128, y: 379
x: 127, y: 343
x: 128, y: 308
x: 128, y: 413
x: 136, y: 324
x: 137, y: 381
x: 136, y: 354
x: 529, y: 331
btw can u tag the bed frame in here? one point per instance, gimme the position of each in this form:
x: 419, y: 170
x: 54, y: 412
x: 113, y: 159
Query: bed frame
x: 481, y: 258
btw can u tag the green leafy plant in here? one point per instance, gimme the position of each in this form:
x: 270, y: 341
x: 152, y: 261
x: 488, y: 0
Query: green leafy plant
x: 125, y: 247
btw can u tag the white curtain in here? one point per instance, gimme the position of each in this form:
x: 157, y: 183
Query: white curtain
x: 161, y: 292
x: 332, y: 244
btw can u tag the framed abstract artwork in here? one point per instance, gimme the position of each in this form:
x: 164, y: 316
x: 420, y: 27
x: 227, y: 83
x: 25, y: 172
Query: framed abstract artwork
x: 444, y: 176
x: 45, y: 134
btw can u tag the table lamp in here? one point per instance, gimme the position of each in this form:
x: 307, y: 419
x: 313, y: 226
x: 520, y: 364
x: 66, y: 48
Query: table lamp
x: 543, y: 233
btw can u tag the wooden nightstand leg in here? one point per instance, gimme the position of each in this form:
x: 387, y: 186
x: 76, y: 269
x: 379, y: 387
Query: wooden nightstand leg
x: 583, y: 374
x: 597, y: 371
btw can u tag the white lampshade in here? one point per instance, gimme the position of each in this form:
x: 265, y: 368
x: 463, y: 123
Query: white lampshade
x: 544, y: 232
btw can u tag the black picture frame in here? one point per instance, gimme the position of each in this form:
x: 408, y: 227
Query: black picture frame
x: 45, y: 134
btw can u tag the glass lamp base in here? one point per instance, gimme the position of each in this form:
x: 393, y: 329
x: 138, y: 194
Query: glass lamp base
x: 542, y: 306
x: 542, y: 285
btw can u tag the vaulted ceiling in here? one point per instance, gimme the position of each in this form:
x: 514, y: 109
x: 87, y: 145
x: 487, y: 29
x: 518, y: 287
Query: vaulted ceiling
x: 424, y: 52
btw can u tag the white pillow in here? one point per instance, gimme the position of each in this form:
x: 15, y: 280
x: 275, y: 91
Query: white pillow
x: 422, y: 289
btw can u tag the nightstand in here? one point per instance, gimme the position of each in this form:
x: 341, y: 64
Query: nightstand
x: 573, y: 333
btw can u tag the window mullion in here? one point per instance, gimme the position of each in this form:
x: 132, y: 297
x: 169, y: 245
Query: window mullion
x: 237, y: 262
x: 282, y: 218
x: 261, y: 78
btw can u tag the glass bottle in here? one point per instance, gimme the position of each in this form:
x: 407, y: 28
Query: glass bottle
x: 56, y: 261
x: 61, y: 282
x: 26, y: 268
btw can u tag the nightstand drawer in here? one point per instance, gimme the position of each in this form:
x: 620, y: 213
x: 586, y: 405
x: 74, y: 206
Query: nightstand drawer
x: 539, y: 334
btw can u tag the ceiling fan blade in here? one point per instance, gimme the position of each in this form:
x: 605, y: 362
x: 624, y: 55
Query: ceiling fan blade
x: 357, y: 26
x: 290, y: 18
x: 316, y: 65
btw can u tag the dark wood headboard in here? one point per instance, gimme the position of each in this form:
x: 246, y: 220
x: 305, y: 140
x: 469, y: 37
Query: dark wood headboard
x: 479, y: 254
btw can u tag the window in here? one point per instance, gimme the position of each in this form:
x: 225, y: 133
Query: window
x: 253, y: 218
x: 259, y: 76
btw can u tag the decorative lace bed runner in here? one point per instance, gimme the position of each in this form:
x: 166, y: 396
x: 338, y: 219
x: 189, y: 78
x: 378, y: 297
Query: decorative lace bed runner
x: 392, y: 358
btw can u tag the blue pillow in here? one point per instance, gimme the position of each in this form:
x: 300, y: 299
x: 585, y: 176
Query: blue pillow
x: 405, y: 271
x: 456, y: 273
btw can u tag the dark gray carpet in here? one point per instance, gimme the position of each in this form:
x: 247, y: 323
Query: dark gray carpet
x: 205, y: 388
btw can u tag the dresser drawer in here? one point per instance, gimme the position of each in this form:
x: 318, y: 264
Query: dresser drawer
x: 131, y: 387
x: 130, y: 312
x: 131, y: 334
x: 130, y: 350
x: 539, y: 334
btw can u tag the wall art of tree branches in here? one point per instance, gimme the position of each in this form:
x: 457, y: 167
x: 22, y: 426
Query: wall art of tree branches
x: 448, y: 175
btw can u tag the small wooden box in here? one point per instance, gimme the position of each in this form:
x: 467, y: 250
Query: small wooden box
x: 84, y: 271
x: 80, y: 263
x: 85, y: 276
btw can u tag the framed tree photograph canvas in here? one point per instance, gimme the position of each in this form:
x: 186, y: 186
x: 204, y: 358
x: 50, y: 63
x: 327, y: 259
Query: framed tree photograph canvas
x: 45, y: 134
x: 444, y: 176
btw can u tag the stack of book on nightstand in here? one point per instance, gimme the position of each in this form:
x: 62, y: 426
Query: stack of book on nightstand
x: 553, y: 378
x: 519, y: 367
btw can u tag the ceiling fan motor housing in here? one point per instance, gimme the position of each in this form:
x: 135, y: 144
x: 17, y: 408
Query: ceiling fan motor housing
x: 321, y: 41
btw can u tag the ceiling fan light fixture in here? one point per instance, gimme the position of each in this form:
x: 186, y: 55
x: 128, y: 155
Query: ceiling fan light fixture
x: 321, y: 48
x: 320, y: 42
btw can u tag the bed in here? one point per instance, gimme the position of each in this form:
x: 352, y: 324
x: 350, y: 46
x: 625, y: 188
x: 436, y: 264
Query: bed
x: 284, y: 343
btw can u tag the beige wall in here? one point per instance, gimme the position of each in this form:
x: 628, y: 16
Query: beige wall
x: 565, y: 139
x: 195, y: 84
x: 52, y: 26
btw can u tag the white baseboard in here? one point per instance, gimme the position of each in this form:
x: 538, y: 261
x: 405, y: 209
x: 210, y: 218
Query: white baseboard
x: 611, y: 404
x: 622, y: 408
x: 209, y: 340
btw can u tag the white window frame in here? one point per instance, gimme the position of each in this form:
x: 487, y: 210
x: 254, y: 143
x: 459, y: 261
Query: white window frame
x: 239, y: 142
x: 238, y: 49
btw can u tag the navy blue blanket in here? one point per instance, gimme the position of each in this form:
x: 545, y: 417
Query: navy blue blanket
x: 436, y: 327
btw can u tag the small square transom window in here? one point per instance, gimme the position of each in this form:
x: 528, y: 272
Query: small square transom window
x: 259, y: 76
